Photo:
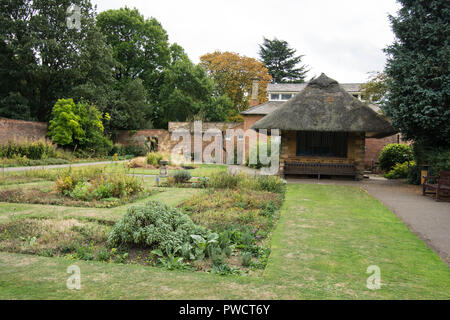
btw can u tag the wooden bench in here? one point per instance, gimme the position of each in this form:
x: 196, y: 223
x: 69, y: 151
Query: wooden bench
x: 331, y: 169
x: 441, y: 187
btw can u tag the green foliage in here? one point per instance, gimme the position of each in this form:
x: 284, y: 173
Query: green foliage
x: 181, y: 176
x: 87, y: 185
x: 418, y: 72
x: 153, y: 158
x: 225, y: 270
x: 140, y: 45
x: 436, y: 159
x: 270, y: 184
x: 78, y: 126
x: 282, y: 62
x: 375, y: 89
x: 65, y: 127
x: 246, y: 259
x: 393, y: 154
x: 400, y: 170
x: 224, y: 180
x: 31, y: 150
x: 173, y: 263
x: 154, y: 225
x: 256, y: 151
x: 203, y: 182
x: 128, y: 150
x: 42, y: 59
x: 129, y: 106
x: 141, y: 50
x: 187, y: 93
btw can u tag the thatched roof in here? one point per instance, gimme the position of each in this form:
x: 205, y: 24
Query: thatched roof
x: 325, y: 106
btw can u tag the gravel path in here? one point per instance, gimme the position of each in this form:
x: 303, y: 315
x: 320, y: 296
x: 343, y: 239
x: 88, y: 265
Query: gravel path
x: 428, y: 219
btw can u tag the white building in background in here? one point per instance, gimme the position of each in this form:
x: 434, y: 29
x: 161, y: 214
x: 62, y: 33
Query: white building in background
x: 285, y: 91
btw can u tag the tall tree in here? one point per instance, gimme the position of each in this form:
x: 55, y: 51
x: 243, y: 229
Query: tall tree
x: 187, y: 93
x: 140, y: 46
x: 418, y: 72
x: 41, y: 55
x: 234, y: 74
x: 282, y: 61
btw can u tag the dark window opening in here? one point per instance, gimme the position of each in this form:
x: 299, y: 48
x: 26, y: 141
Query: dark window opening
x: 322, y: 144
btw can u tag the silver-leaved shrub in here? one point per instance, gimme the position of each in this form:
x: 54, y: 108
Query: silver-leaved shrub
x: 155, y: 225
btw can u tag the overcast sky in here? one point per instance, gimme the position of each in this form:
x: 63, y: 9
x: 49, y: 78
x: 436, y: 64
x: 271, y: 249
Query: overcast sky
x: 343, y: 39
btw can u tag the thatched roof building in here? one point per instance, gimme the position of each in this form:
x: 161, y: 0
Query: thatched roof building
x: 323, y: 130
x: 325, y: 106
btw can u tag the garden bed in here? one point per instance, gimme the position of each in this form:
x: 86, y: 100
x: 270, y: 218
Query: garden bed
x: 52, y: 197
x: 226, y: 227
x: 82, y: 187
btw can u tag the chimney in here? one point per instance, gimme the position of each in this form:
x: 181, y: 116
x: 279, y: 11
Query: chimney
x: 255, y: 90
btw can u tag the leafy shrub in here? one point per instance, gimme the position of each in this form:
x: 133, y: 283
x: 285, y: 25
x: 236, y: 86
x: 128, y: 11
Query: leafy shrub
x: 400, y: 170
x: 171, y: 262
x: 256, y: 149
x: 154, y: 225
x: 153, y: 158
x: 270, y: 184
x: 203, y: 182
x: 246, y: 259
x: 31, y: 150
x: 132, y: 150
x: 224, y: 180
x: 80, y: 127
x: 96, y: 184
x: 181, y: 176
x: 393, y: 154
x: 81, y: 192
x: 225, y: 269
x: 103, y: 255
x: 437, y: 160
x: 66, y: 184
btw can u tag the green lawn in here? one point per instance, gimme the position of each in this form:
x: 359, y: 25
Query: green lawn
x: 326, y: 238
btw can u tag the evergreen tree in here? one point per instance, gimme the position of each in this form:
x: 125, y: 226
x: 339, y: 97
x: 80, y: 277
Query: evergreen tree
x: 42, y: 56
x: 282, y: 62
x: 418, y: 86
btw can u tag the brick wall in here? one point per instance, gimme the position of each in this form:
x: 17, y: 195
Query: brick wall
x: 126, y: 137
x: 374, y: 147
x: 22, y: 131
x: 165, y: 144
x: 249, y: 120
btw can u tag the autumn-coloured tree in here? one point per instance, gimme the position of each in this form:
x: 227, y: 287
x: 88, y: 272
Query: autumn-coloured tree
x: 234, y: 74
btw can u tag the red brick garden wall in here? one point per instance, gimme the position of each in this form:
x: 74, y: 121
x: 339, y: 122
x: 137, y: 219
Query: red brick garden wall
x: 126, y: 137
x: 374, y: 147
x: 21, y: 131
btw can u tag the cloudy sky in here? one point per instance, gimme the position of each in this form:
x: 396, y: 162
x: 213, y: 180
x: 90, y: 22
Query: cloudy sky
x: 343, y: 38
